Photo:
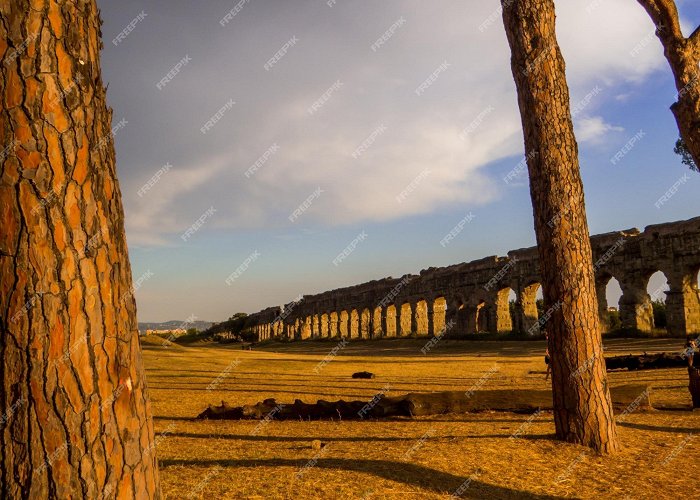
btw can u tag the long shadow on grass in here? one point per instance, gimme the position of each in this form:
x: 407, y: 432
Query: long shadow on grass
x: 407, y: 473
x: 674, y: 430
x: 352, y: 439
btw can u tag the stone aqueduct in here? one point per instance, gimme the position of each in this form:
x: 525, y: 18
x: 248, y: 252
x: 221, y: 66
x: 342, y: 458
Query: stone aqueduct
x: 474, y: 297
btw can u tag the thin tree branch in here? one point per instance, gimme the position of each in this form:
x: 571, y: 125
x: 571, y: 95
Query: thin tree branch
x: 664, y: 14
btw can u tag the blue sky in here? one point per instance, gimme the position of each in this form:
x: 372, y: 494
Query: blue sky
x: 449, y: 145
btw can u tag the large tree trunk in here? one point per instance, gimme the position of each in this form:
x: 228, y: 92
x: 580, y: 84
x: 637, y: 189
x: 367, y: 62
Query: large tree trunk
x: 582, y: 408
x: 683, y: 55
x: 74, y: 414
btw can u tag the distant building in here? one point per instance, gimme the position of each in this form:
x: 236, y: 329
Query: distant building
x: 176, y: 331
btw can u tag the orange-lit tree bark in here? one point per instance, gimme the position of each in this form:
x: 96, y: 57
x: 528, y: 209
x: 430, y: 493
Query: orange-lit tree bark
x: 582, y: 407
x: 683, y: 55
x: 74, y: 414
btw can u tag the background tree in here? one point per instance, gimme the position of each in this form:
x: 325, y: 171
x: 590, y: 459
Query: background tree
x: 75, y: 418
x: 683, y: 55
x: 582, y: 407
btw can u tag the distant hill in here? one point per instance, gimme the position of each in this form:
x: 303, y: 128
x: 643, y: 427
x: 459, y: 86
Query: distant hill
x: 174, y: 324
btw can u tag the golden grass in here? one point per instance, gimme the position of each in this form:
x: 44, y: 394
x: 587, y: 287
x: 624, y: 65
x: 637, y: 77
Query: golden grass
x: 428, y: 457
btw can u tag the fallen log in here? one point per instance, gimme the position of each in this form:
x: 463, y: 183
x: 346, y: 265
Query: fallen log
x: 646, y: 361
x: 625, y: 398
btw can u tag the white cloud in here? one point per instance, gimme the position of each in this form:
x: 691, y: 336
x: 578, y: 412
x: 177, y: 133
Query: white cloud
x: 594, y: 129
x: 422, y: 132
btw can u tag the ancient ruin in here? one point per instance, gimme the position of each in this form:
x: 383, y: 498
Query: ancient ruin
x: 473, y: 297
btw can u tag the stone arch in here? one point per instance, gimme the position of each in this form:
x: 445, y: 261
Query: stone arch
x: 636, y: 310
x: 354, y: 324
x: 607, y: 285
x: 658, y: 288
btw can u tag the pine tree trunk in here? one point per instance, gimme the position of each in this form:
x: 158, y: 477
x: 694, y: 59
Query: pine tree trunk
x: 683, y: 55
x: 74, y: 413
x: 582, y: 407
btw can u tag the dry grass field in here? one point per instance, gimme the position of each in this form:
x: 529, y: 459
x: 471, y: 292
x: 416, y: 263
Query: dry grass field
x: 473, y: 455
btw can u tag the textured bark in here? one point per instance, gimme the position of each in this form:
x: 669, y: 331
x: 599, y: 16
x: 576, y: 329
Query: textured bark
x: 75, y: 418
x: 582, y: 407
x: 683, y: 55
